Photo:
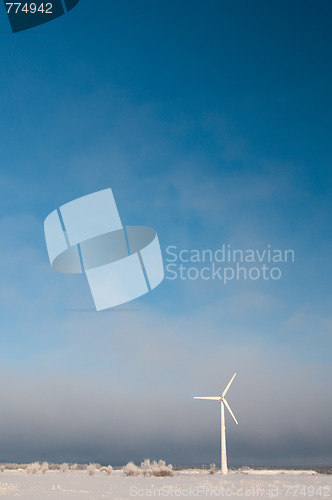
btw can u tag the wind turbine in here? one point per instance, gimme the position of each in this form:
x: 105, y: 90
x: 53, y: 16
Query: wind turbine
x: 223, y: 403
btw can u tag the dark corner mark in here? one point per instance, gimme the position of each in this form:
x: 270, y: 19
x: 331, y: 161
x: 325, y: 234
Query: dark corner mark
x: 29, y: 14
x: 70, y: 4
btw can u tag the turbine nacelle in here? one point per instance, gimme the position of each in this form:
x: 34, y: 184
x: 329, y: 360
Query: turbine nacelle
x: 221, y: 399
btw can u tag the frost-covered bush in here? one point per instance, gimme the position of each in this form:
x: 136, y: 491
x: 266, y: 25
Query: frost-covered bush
x: 160, y: 469
x: 64, y: 467
x: 91, y: 469
x: 44, y: 467
x: 33, y: 468
x: 131, y: 469
x: 148, y: 468
x: 73, y: 467
x: 108, y: 470
x: 212, y: 469
x: 2, y: 468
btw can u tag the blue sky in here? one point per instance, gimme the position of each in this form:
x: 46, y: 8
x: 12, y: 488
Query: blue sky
x: 211, y: 122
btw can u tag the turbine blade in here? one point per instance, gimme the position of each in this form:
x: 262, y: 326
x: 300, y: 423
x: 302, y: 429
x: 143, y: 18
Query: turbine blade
x: 228, y: 385
x: 230, y: 411
x: 214, y: 398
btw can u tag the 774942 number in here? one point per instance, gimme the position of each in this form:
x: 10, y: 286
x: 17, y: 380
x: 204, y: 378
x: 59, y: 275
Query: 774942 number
x: 29, y: 8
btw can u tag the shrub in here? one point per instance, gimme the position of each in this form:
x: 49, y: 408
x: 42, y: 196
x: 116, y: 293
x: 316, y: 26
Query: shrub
x: 91, y: 469
x: 148, y: 468
x: 131, y: 469
x: 64, y: 467
x: 108, y: 470
x: 212, y: 469
x: 2, y: 468
x: 44, y: 467
x: 74, y: 467
x: 33, y: 468
x: 160, y: 469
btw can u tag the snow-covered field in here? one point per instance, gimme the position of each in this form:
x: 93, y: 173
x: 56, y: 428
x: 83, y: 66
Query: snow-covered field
x: 79, y: 485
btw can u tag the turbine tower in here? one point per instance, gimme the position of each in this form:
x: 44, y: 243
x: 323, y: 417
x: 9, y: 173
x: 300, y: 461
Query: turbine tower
x: 223, y: 403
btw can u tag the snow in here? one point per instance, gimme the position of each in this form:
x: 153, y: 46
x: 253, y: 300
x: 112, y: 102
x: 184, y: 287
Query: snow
x: 80, y: 485
x: 281, y: 471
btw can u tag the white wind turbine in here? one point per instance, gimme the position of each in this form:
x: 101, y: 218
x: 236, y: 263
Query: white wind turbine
x: 223, y: 403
